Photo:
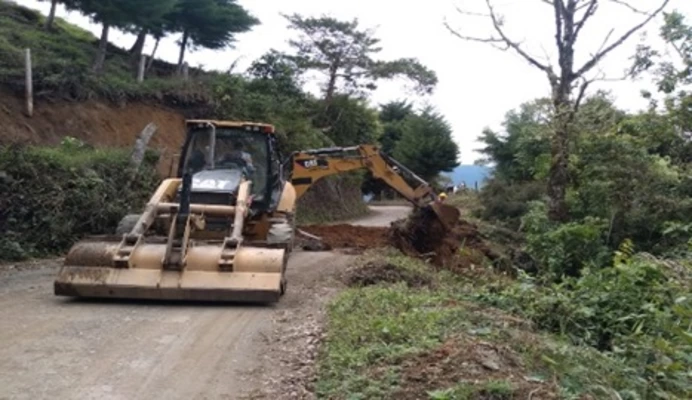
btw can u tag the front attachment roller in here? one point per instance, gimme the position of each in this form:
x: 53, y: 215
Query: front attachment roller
x: 176, y: 267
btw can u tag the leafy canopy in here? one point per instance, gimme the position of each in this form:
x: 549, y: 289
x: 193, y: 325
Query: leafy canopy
x: 345, y: 53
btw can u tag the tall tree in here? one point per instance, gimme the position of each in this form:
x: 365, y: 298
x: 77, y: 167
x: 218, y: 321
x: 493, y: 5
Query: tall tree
x: 210, y: 24
x: 393, y: 118
x: 427, y: 146
x: 567, y: 79
x: 344, y: 52
x: 153, y: 22
x: 50, y: 19
x: 115, y: 14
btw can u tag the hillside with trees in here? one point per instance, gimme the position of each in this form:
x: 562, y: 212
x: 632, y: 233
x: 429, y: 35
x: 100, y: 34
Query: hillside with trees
x: 71, y: 65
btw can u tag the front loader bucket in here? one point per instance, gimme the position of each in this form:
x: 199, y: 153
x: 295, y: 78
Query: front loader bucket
x: 257, y: 274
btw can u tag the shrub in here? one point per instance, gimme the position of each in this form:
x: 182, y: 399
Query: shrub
x: 564, y: 249
x: 637, y: 310
x: 53, y: 196
x: 507, y: 202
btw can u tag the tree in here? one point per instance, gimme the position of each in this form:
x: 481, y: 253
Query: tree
x: 426, y: 145
x: 50, y: 19
x: 153, y: 22
x: 678, y: 35
x: 519, y: 153
x: 109, y: 13
x: 569, y: 19
x: 209, y: 24
x: 344, y: 52
x: 393, y: 116
x: 118, y: 14
x: 279, y: 71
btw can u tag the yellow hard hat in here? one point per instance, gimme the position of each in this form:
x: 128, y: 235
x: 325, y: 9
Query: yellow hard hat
x: 443, y: 195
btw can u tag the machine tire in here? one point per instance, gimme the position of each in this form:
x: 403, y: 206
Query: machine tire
x: 126, y: 224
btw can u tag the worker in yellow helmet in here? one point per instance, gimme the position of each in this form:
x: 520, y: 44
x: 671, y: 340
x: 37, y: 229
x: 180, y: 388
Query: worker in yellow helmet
x: 442, y: 197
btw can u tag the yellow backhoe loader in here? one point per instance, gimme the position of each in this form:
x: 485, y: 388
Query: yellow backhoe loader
x: 222, y: 229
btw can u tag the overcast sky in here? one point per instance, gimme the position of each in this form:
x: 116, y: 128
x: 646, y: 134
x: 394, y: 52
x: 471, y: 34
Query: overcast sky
x: 477, y: 84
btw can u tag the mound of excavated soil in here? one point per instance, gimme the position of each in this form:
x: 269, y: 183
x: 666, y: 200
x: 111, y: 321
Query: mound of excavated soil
x: 349, y: 236
x: 423, y: 235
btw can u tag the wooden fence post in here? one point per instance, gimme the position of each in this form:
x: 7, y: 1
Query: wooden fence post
x: 140, y: 70
x: 186, y: 72
x: 140, y: 147
x: 29, y: 85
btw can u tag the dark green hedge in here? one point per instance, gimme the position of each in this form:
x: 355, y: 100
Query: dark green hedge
x: 50, y: 197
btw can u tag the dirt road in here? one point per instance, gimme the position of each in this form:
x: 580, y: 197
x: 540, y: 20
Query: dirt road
x: 58, y: 348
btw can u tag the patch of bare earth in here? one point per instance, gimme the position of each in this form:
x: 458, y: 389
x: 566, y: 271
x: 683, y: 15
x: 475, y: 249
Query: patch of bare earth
x: 380, y: 271
x: 472, y: 362
x: 342, y: 236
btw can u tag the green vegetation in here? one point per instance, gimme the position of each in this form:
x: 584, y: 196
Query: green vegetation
x: 596, y: 304
x: 52, y: 196
x: 443, y: 340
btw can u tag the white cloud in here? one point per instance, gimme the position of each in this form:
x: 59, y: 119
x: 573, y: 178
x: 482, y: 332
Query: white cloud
x: 478, y: 84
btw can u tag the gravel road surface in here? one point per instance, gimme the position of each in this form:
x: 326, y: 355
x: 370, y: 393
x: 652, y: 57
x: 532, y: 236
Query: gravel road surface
x: 58, y: 348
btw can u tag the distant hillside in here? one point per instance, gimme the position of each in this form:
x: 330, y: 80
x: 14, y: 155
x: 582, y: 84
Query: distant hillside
x: 469, y: 174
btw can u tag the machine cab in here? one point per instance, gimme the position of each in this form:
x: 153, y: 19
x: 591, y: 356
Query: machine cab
x: 218, y: 154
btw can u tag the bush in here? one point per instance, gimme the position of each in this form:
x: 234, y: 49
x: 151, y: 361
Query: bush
x: 53, y: 196
x: 637, y: 310
x: 331, y: 199
x: 507, y: 202
x: 564, y: 249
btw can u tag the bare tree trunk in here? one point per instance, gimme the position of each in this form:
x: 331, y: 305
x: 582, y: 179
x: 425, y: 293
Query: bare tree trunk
x: 51, y: 15
x: 153, y: 53
x: 138, y: 46
x: 181, y: 57
x: 331, y: 85
x: 558, y: 178
x: 103, y: 47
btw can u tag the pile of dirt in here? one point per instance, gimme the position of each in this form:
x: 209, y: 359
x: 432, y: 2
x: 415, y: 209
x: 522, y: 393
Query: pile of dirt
x: 478, y: 365
x: 423, y: 235
x: 348, y: 236
x: 380, y: 271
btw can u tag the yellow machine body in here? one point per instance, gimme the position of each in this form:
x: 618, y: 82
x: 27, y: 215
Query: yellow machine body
x: 213, y: 244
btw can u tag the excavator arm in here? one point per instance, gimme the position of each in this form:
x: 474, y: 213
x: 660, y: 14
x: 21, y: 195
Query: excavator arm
x: 308, y: 166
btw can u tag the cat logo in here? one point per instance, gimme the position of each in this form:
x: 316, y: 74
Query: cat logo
x: 314, y: 163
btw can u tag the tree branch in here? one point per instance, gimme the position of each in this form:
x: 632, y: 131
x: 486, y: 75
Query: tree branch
x: 602, y: 53
x: 590, y: 11
x: 626, y: 4
x: 513, y: 45
x: 582, y: 90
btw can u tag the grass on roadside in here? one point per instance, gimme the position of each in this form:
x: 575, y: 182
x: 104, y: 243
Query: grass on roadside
x: 391, y: 340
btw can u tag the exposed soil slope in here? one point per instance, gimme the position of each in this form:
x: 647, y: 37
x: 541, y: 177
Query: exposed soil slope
x: 96, y: 123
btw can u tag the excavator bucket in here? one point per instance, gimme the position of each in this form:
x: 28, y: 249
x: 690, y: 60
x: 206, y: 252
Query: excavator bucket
x: 139, y: 266
x: 448, y: 215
